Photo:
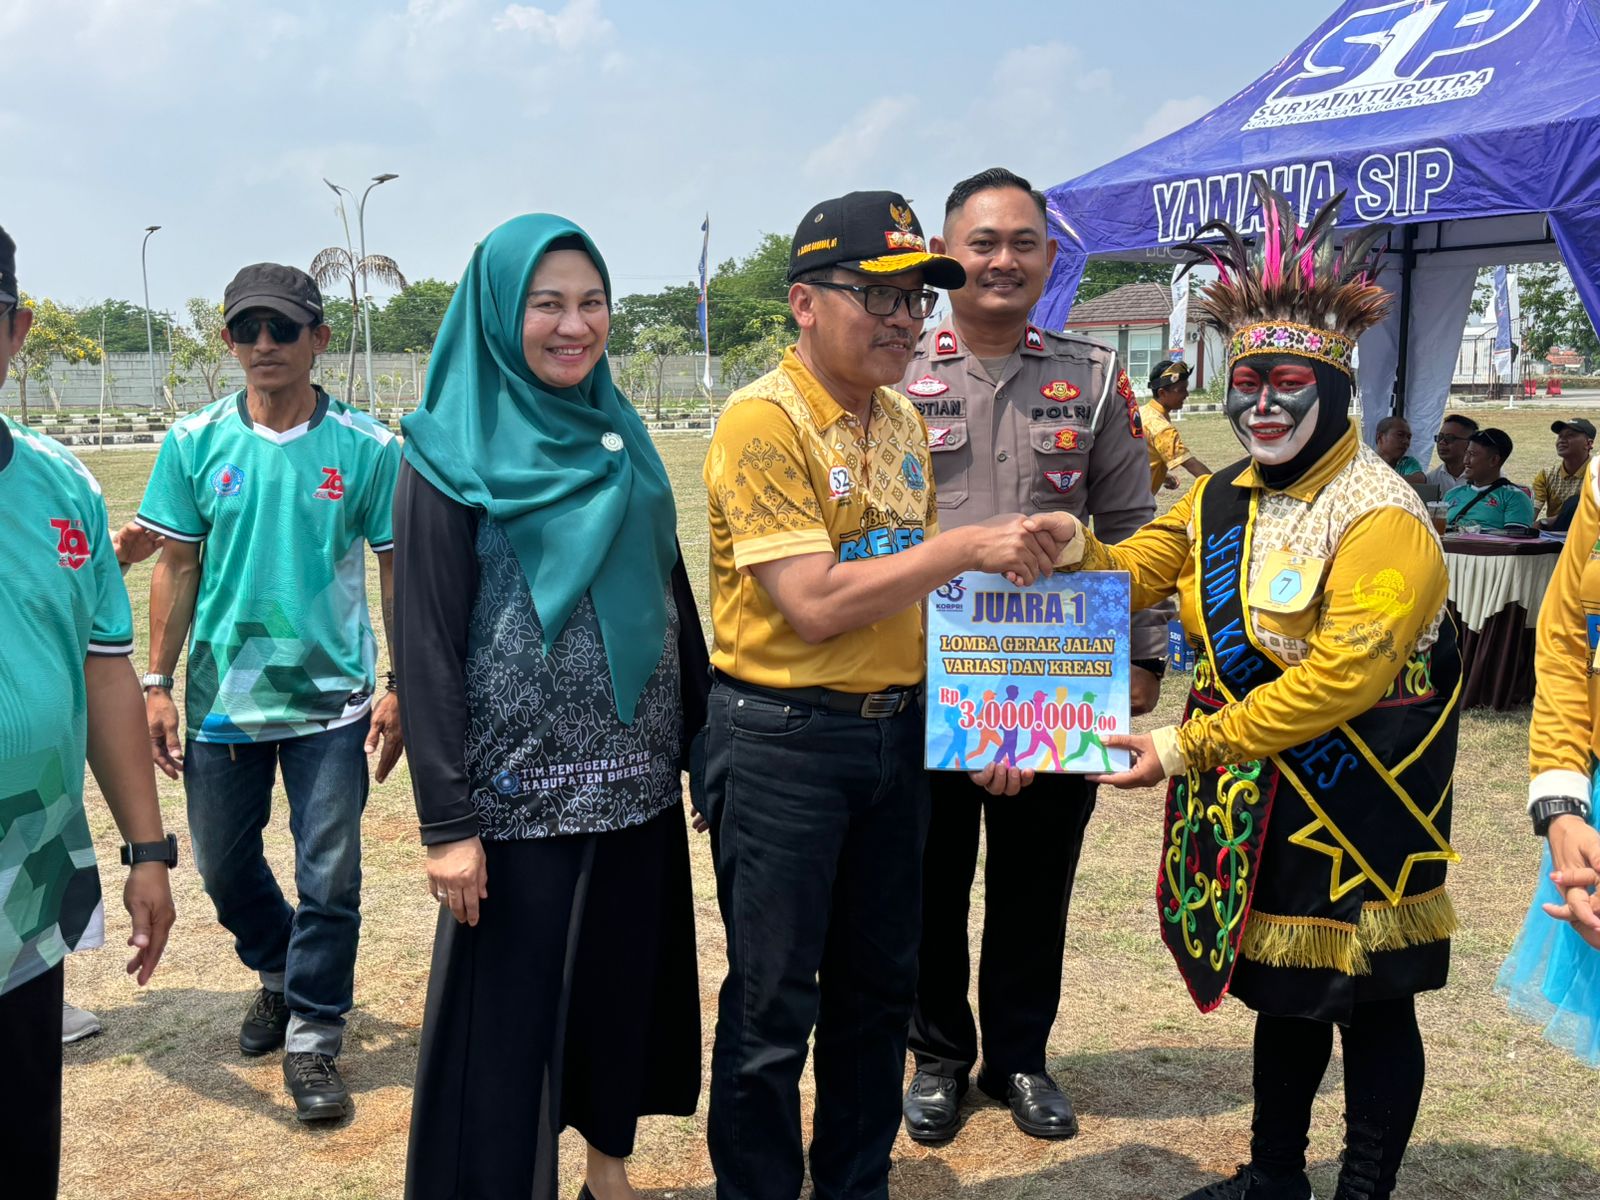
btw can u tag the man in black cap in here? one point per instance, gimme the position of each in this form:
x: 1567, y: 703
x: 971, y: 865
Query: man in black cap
x: 1169, y: 388
x: 1562, y: 480
x: 281, y: 484
x: 1488, y: 500
x: 824, y: 543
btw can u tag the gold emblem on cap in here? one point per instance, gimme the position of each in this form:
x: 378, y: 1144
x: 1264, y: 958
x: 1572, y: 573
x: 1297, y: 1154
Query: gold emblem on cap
x: 901, y: 217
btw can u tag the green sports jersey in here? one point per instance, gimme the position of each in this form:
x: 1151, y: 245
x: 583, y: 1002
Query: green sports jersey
x: 281, y: 644
x: 62, y: 599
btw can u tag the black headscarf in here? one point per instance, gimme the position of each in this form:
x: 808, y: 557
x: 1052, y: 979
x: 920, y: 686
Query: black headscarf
x: 1333, y: 418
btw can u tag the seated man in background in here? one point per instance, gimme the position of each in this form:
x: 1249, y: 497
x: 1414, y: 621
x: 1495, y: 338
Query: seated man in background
x: 1488, y: 500
x: 1393, y: 445
x: 1559, y: 482
x: 1451, y: 444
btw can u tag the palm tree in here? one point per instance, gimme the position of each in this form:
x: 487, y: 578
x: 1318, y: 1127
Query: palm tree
x: 336, y: 263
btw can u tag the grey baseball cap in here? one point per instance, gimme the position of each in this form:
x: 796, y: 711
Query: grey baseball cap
x: 286, y: 290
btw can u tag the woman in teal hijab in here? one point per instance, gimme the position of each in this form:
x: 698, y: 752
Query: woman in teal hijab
x: 552, y: 672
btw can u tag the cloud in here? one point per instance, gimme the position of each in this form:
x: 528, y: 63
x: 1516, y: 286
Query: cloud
x: 1171, y: 116
x: 579, y: 22
x: 863, y: 140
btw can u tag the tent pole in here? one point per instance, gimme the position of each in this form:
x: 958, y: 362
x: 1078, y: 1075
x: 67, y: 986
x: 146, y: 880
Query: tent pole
x: 1408, y: 258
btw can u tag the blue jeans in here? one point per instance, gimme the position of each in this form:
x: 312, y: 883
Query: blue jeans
x: 817, y: 827
x: 309, y: 953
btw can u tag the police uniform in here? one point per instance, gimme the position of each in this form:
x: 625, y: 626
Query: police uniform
x: 1059, y: 429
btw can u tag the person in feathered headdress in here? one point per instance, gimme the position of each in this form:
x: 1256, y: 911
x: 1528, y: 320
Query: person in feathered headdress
x: 1308, y: 809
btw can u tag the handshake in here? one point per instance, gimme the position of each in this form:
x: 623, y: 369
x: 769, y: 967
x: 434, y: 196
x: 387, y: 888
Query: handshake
x: 1022, y: 548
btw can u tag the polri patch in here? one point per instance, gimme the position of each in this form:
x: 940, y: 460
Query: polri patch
x: 928, y: 385
x: 1033, y: 339
x: 937, y: 436
x: 944, y: 342
x: 1063, y: 481
x: 1066, y: 439
x: 1059, y: 390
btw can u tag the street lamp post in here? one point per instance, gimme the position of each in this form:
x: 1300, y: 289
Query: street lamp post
x: 366, y: 297
x: 149, y: 333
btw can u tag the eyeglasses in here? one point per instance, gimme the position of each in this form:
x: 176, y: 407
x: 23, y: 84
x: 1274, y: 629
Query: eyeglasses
x: 881, y: 300
x: 1444, y: 439
x: 284, y: 331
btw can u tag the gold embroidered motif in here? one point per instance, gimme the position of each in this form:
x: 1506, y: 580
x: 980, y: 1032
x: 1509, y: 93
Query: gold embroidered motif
x: 1384, y: 598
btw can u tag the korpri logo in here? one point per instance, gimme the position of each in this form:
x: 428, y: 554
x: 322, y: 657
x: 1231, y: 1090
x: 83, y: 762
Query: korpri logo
x: 1394, y: 56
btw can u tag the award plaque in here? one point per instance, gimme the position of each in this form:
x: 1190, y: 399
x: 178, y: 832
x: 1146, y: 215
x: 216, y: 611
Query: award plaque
x: 1028, y: 677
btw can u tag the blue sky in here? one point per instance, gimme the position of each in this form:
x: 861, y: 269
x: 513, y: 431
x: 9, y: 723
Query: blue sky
x: 218, y: 120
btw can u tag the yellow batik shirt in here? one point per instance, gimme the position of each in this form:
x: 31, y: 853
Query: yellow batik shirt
x: 790, y: 472
x: 1162, y: 442
x: 1379, y: 599
x: 1564, y: 738
x: 1553, y: 487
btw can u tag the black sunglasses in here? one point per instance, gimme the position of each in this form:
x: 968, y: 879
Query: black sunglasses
x: 1440, y: 439
x: 284, y: 331
x: 881, y: 300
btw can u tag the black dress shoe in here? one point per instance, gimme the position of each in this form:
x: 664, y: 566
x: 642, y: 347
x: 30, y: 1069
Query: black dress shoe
x: 1038, y: 1106
x: 314, y: 1082
x: 932, y: 1107
x: 265, y: 1024
x: 1251, y: 1184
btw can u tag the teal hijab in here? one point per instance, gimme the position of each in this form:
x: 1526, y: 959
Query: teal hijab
x: 582, y: 517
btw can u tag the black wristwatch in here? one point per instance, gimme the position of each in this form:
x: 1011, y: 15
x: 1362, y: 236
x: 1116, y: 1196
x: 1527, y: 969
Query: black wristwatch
x: 1156, y: 666
x: 166, y: 851
x: 1547, y: 810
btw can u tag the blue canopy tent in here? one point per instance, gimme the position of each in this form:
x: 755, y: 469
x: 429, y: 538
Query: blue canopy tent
x: 1473, y: 126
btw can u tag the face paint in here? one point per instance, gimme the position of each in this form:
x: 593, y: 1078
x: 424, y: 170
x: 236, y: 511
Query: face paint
x: 1273, y: 404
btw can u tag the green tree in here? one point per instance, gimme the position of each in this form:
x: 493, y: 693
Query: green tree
x: 411, y: 318
x: 54, y: 335
x: 201, y: 348
x: 655, y: 344
x: 744, y: 297
x: 1106, y: 275
x: 124, y: 326
x: 765, y: 340
x: 1552, y: 314
x: 670, y: 308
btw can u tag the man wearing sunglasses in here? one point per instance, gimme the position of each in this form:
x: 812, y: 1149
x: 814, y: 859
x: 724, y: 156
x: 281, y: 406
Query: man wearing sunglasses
x: 1451, y: 444
x: 1018, y: 417
x: 280, y: 484
x: 824, y: 543
x: 67, y: 694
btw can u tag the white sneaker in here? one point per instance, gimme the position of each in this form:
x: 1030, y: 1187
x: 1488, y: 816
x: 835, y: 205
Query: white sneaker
x: 77, y: 1024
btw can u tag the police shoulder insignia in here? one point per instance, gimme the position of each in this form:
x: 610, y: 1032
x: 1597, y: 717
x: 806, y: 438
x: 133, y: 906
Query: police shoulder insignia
x: 1124, y: 388
x: 945, y: 342
x: 1033, y: 339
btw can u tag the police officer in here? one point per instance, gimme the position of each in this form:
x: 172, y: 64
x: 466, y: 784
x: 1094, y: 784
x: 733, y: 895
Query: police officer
x: 1018, y: 418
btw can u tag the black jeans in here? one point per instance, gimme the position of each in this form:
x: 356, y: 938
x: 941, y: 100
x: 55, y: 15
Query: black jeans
x: 30, y: 1114
x: 817, y: 823
x: 1033, y: 842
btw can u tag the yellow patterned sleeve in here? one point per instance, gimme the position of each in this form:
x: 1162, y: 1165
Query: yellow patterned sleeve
x: 759, y: 479
x: 1385, y: 585
x: 1153, y: 557
x: 1169, y: 444
x: 1541, y: 492
x: 1561, y: 734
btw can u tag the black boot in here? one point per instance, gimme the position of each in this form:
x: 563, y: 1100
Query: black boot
x: 1249, y: 1183
x: 1361, y: 1175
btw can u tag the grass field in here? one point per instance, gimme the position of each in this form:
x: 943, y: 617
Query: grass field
x: 162, y: 1105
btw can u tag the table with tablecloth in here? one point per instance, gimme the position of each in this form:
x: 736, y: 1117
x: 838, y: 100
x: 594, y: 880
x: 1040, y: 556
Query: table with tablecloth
x: 1496, y: 587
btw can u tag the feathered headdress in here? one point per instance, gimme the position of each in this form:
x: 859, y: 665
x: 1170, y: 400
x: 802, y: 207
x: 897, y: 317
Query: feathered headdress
x: 1291, y: 292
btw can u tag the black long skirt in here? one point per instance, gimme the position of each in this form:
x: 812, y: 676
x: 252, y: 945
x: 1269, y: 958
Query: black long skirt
x: 574, y: 1001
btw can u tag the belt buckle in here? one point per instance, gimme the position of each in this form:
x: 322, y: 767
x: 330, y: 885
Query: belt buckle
x: 878, y: 705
